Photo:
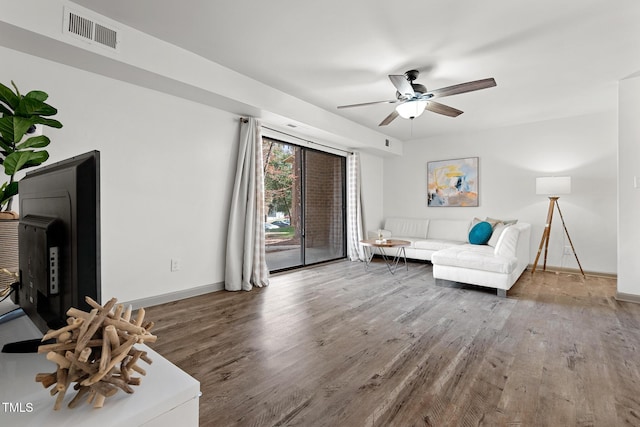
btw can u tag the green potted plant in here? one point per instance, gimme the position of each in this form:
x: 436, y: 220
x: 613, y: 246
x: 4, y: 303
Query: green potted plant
x: 18, y: 150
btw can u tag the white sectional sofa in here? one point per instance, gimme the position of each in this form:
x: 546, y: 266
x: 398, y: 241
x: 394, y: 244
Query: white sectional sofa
x: 445, y: 242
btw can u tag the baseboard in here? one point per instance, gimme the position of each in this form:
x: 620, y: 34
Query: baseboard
x: 175, y: 296
x: 621, y: 296
x: 565, y: 270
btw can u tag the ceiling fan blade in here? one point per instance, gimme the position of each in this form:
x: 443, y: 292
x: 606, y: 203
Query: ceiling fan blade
x: 391, y: 117
x: 368, y: 103
x: 402, y: 85
x: 462, y: 88
x: 436, y: 107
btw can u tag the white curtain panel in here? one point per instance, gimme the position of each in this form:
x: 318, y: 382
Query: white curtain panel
x: 355, y: 221
x: 246, y: 265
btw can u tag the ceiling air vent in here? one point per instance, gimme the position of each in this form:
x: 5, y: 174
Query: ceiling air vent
x: 106, y: 36
x: 80, y: 26
x: 90, y: 30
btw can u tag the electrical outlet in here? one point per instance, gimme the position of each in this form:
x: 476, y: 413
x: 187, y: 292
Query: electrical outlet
x: 567, y: 250
x: 176, y: 264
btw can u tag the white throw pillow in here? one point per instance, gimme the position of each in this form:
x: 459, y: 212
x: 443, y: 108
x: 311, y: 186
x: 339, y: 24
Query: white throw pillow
x: 497, y: 232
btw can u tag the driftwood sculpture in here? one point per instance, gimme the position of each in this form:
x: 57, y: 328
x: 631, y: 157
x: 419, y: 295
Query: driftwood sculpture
x: 96, y: 352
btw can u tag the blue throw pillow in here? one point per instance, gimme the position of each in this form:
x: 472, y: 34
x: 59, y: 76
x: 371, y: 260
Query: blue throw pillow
x: 480, y: 233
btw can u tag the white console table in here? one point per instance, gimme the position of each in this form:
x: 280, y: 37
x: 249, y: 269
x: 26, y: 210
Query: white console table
x: 167, y: 396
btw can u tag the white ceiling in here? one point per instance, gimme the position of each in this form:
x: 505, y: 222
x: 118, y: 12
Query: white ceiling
x: 550, y: 58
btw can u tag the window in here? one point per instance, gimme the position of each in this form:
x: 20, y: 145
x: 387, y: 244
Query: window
x: 305, y: 200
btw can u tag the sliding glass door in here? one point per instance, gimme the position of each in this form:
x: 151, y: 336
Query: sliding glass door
x: 305, y: 198
x: 283, y: 195
x: 324, y: 207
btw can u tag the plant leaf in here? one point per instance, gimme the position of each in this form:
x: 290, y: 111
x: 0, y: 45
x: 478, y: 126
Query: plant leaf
x: 37, y: 95
x: 9, y: 97
x: 15, y: 161
x: 22, y: 159
x: 3, y: 199
x: 47, y: 122
x: 13, y: 128
x: 5, y: 147
x: 11, y: 189
x: 7, y: 191
x: 39, y: 141
x: 16, y: 88
x: 34, y: 107
x: 37, y: 158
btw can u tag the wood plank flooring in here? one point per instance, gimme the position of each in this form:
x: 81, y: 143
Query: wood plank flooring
x: 338, y: 346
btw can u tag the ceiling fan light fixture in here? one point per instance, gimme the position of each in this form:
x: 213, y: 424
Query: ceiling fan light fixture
x: 411, y: 109
x: 412, y: 99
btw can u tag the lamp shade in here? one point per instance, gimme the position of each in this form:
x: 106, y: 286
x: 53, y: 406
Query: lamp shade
x: 411, y: 109
x: 553, y: 185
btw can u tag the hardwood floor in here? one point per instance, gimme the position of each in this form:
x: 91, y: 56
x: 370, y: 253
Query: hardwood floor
x: 337, y: 346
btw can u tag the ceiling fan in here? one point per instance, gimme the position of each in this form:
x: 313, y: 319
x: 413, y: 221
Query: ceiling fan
x: 413, y: 98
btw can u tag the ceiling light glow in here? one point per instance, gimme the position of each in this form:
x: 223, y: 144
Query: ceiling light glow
x: 411, y: 109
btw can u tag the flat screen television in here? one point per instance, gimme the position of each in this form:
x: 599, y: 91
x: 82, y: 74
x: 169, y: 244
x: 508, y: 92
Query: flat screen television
x: 59, y: 240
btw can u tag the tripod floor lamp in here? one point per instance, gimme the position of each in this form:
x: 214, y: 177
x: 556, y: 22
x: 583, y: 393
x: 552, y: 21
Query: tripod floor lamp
x: 552, y: 186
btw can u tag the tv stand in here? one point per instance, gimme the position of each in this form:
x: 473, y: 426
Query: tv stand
x: 167, y: 395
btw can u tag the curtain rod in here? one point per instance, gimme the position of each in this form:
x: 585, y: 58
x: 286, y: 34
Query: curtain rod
x: 306, y: 140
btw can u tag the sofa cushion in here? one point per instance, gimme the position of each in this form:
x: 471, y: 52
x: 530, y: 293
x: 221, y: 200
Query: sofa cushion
x: 412, y: 240
x: 475, y: 257
x: 448, y: 229
x: 480, y: 233
x: 508, y: 242
x: 503, y: 221
x: 407, y: 227
x: 497, y: 232
x: 436, y: 244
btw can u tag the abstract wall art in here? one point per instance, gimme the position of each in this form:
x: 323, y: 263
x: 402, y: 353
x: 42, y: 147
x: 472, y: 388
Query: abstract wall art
x: 452, y: 182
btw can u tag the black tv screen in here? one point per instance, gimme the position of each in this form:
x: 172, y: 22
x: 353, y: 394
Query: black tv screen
x: 59, y: 239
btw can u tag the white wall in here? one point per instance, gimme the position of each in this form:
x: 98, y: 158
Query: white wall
x: 165, y: 174
x: 510, y: 159
x: 629, y: 195
x: 167, y: 168
x: 166, y: 162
